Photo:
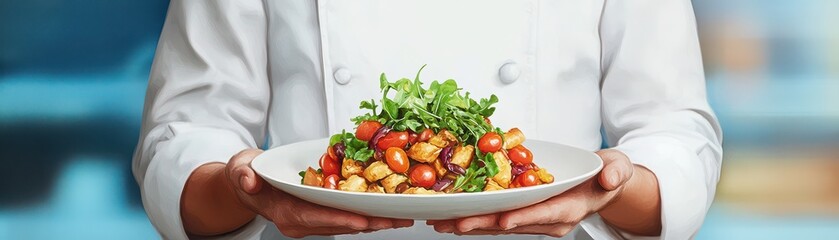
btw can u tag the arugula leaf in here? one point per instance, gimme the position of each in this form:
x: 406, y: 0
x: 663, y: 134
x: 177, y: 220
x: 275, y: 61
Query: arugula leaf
x: 475, y: 185
x: 383, y: 83
x: 302, y: 175
x: 366, y: 117
x: 368, y: 105
x: 357, y: 149
x: 391, y: 108
x: 473, y: 180
x: 490, y: 165
x: 339, y: 137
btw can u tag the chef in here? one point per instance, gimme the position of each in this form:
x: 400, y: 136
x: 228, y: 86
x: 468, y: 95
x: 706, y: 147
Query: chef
x: 232, y: 76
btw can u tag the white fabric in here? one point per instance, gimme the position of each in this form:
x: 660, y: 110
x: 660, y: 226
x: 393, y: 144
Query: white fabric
x: 227, y: 74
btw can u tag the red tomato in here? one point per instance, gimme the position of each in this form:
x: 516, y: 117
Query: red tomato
x: 425, y: 135
x: 331, y: 181
x: 366, y: 129
x: 490, y: 142
x: 397, y: 159
x: 423, y: 175
x: 528, y: 178
x: 329, y: 165
x: 520, y: 155
x: 393, y: 139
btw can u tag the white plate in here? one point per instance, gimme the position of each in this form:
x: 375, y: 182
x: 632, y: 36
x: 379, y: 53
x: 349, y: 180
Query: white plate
x: 569, y: 165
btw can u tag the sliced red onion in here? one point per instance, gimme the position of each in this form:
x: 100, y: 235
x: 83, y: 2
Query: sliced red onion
x: 456, y: 169
x: 441, y: 184
x: 446, y: 159
x: 381, y: 132
x: 339, y: 149
x: 445, y: 155
x: 519, y: 169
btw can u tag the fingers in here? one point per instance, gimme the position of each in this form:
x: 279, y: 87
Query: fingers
x: 401, y: 223
x: 555, y: 210
x: 617, y: 169
x: 444, y: 226
x: 319, y: 231
x: 465, y: 224
x: 377, y: 223
x: 482, y: 221
x: 241, y: 174
x: 298, y: 218
x: 319, y: 216
x: 553, y: 230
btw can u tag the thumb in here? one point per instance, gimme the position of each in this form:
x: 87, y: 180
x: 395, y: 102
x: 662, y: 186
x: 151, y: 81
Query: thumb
x: 617, y: 169
x: 240, y: 173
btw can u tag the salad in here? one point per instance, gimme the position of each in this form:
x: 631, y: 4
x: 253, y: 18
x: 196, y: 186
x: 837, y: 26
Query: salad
x: 418, y: 140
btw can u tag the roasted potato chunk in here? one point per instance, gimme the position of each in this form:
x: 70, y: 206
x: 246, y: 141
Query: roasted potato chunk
x: 375, y: 188
x: 377, y: 170
x: 462, y: 156
x: 446, y: 135
x: 419, y: 190
x: 390, y: 182
x: 424, y: 152
x: 544, y: 176
x: 504, y: 169
x: 351, y: 167
x: 438, y: 141
x: 439, y: 168
x: 353, y: 184
x: 492, y: 186
x: 312, y: 178
x: 442, y: 139
x: 513, y: 138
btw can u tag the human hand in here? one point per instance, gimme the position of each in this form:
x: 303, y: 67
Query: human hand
x: 556, y: 216
x: 295, y: 217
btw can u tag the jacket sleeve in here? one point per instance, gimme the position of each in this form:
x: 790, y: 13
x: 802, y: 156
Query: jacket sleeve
x: 207, y: 99
x: 654, y: 106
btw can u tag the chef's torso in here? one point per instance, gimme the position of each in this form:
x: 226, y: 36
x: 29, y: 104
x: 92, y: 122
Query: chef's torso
x: 541, y: 58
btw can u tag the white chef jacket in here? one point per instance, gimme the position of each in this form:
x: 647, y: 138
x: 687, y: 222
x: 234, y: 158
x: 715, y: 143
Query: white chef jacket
x: 236, y: 74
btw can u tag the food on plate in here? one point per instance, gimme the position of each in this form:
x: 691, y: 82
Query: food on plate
x: 419, y: 140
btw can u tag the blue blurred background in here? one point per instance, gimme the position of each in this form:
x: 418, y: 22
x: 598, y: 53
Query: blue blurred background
x: 73, y: 76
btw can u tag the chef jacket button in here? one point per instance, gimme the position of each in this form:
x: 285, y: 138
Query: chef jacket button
x: 342, y: 76
x: 509, y: 72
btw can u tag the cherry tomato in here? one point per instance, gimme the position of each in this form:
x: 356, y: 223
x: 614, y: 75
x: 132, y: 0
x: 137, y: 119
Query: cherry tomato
x: 422, y: 175
x: 425, y: 135
x: 520, y: 155
x: 490, y: 142
x: 393, y: 139
x: 486, y: 119
x: 329, y: 165
x: 397, y: 159
x: 412, y: 137
x: 331, y: 181
x: 331, y: 152
x: 366, y: 129
x: 528, y: 178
